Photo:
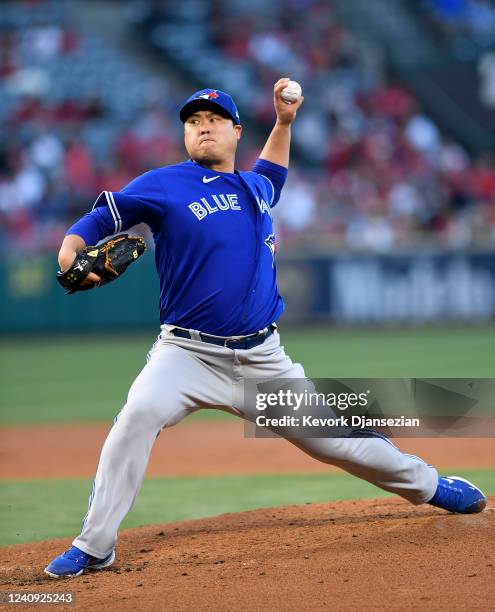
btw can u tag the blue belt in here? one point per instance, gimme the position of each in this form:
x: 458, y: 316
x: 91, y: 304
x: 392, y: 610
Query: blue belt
x: 248, y: 342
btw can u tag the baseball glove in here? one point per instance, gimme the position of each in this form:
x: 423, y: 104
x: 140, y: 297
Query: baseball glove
x: 108, y: 260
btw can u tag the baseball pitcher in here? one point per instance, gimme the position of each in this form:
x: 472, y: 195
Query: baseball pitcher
x: 219, y: 303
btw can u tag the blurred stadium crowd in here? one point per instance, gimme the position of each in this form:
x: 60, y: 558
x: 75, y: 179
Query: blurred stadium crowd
x: 370, y: 171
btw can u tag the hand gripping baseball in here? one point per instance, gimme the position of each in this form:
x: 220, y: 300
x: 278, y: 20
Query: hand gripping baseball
x: 286, y: 109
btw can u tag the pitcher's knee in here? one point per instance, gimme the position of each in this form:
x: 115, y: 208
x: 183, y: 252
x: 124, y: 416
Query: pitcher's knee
x: 326, y: 450
x: 147, y: 412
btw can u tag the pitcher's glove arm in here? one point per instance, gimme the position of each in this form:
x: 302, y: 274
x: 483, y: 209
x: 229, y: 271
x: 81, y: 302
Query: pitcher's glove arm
x: 108, y: 260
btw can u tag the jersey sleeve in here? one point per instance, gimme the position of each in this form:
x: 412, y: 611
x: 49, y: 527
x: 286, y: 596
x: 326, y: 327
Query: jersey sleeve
x: 274, y: 174
x: 116, y: 211
x: 120, y: 210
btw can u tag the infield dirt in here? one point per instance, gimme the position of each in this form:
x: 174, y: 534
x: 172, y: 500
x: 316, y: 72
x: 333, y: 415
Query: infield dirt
x: 212, y: 448
x: 354, y: 555
x: 345, y: 555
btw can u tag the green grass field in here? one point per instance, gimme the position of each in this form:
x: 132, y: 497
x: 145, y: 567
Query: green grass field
x: 86, y: 378
x: 45, y: 509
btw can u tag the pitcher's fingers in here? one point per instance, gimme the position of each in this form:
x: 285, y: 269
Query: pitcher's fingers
x: 90, y: 279
x: 280, y: 84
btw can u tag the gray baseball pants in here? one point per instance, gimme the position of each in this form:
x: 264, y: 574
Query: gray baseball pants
x: 183, y: 375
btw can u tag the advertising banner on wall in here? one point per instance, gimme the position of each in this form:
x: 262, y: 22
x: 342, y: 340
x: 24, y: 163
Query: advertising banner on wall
x: 391, y: 289
x: 341, y: 290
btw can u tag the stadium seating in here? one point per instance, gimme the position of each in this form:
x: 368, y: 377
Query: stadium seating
x: 371, y: 170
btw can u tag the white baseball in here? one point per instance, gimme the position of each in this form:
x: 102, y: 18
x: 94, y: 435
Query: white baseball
x: 292, y: 92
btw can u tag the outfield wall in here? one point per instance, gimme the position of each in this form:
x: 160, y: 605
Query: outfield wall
x: 342, y: 289
x: 410, y: 288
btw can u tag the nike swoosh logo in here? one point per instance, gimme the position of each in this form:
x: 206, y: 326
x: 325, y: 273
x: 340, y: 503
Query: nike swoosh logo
x: 208, y: 180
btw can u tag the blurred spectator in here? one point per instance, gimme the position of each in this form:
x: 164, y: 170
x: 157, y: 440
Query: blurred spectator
x: 486, y: 69
x: 297, y: 211
x: 80, y: 173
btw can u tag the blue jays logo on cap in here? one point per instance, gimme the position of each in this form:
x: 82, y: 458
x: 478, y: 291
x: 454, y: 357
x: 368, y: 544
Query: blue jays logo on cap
x: 210, y: 95
x: 213, y: 99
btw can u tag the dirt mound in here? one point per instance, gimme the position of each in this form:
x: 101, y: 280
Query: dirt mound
x: 343, y: 555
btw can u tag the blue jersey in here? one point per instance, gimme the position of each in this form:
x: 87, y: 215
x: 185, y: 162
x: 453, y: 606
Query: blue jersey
x: 215, y: 245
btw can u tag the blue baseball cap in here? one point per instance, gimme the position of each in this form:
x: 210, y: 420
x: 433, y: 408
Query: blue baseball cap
x: 213, y: 99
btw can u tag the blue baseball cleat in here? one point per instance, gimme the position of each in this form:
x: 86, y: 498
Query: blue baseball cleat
x: 458, y: 495
x: 74, y: 561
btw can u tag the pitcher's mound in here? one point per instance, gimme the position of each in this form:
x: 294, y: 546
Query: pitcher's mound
x: 363, y: 554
